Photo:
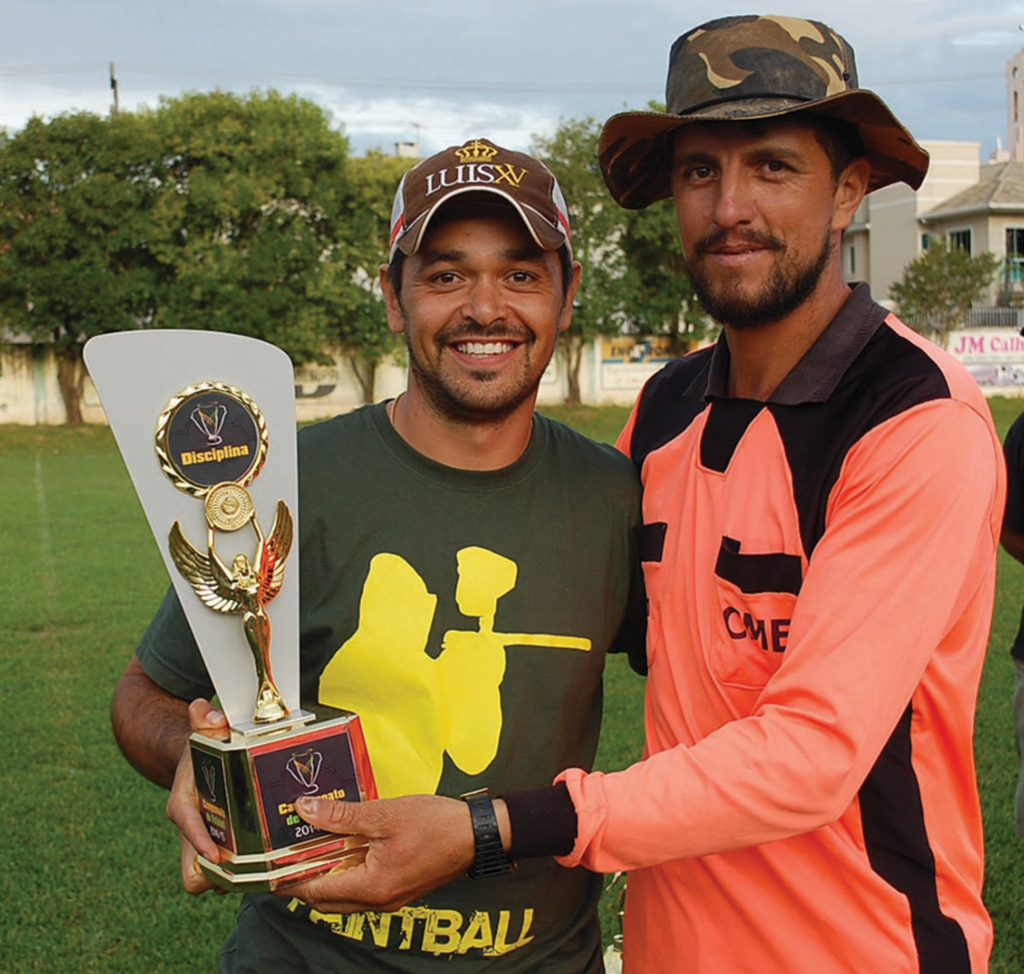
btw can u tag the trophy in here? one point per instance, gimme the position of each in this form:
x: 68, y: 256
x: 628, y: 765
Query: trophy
x: 211, y: 443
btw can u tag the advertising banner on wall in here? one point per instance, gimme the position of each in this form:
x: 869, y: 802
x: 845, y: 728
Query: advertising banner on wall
x: 994, y: 356
x: 627, y: 362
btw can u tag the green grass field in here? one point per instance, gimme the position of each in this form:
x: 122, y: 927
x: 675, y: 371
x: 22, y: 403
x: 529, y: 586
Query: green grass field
x: 90, y: 882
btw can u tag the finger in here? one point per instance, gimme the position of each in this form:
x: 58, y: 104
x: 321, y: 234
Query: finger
x: 193, y: 830
x: 205, y: 719
x: 347, y: 888
x: 183, y: 810
x: 335, y: 816
x: 192, y: 877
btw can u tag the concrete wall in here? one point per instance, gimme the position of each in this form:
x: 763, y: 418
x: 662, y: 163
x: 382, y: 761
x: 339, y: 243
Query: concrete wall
x: 29, y: 394
x: 612, y: 372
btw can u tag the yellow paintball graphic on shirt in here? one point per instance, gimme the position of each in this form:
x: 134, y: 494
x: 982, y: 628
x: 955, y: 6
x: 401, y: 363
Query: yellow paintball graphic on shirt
x: 416, y: 707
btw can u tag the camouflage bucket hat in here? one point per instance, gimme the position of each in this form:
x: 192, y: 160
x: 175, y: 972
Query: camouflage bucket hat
x: 739, y: 68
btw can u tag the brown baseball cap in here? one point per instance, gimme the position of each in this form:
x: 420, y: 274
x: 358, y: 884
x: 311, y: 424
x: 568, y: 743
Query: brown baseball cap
x: 480, y: 166
x: 750, y: 67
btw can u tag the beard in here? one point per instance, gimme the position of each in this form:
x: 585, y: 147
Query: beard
x: 481, y: 396
x: 788, y: 285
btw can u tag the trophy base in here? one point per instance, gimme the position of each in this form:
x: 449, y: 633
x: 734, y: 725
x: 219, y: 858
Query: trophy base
x: 259, y: 874
x: 247, y: 788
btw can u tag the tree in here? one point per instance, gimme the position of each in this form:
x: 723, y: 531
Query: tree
x: 597, y: 226
x: 213, y: 211
x: 252, y: 216
x: 941, y: 286
x: 662, y: 300
x: 634, y: 275
x: 74, y: 260
x: 362, y: 334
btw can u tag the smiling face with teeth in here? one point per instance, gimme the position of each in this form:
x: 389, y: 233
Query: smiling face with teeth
x: 480, y: 306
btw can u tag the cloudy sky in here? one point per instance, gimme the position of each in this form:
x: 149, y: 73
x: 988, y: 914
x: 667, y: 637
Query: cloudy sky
x: 443, y: 72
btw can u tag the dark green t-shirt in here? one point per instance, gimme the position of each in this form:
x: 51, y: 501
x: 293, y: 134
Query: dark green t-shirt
x: 465, y: 616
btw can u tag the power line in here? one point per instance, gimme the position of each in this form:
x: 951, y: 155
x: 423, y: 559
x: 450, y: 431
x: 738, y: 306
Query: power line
x: 419, y: 84
x: 403, y: 84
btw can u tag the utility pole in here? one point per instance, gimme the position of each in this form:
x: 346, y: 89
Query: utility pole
x: 116, y: 107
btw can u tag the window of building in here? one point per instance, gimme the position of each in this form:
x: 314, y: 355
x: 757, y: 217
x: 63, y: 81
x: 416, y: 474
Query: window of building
x: 925, y: 240
x: 961, y: 239
x: 853, y: 260
x: 1015, y: 254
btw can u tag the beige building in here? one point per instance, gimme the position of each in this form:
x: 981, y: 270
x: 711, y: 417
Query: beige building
x: 1015, y: 107
x: 890, y: 229
x: 977, y: 207
x: 989, y: 216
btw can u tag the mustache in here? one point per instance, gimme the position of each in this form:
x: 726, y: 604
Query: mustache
x: 472, y: 331
x: 721, y: 238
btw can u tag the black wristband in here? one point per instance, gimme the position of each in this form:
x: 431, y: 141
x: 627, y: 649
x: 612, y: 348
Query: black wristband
x: 490, y: 853
x: 543, y: 822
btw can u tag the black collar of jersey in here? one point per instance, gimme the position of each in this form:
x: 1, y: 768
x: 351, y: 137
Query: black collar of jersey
x: 815, y: 377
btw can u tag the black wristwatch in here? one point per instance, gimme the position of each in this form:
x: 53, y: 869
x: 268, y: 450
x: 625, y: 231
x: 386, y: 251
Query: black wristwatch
x: 491, y: 859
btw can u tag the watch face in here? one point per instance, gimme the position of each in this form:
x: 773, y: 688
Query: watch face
x: 211, y: 434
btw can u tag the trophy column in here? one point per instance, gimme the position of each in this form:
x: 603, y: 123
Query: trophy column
x: 211, y: 443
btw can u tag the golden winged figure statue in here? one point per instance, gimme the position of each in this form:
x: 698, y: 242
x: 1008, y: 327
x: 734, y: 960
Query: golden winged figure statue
x: 246, y: 587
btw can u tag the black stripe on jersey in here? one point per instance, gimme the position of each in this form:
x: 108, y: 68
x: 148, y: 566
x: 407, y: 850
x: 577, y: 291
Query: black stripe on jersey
x: 727, y: 422
x: 650, y: 540
x: 670, y: 401
x: 770, y: 572
x: 890, y: 376
x: 896, y: 841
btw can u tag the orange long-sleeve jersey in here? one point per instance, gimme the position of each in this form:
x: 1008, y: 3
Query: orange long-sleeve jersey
x: 820, y: 572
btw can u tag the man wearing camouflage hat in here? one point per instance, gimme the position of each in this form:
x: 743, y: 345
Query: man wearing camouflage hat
x: 822, y: 497
x: 825, y: 489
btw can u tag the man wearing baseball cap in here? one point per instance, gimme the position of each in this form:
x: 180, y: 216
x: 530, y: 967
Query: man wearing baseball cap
x: 822, y: 498
x: 466, y: 565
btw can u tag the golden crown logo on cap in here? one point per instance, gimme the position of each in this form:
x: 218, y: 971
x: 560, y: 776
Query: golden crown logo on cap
x: 476, y: 151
